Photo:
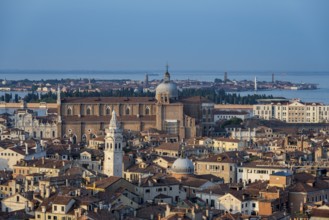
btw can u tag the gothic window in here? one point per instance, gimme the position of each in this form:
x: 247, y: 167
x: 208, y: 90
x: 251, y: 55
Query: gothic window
x: 111, y: 145
x: 116, y: 146
x: 69, y: 111
x: 88, y: 111
x: 127, y: 111
x: 147, y: 111
x: 41, y: 134
x: 108, y: 111
x: 119, y: 145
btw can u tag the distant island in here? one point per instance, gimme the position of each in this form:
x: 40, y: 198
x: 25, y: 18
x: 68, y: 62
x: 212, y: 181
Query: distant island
x: 220, y: 91
x: 90, y: 84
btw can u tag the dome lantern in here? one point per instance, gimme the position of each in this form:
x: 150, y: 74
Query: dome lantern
x: 166, y: 90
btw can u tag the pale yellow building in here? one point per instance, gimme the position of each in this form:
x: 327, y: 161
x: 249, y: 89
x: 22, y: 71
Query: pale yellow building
x: 225, y: 144
x: 16, y: 202
x: 223, y: 165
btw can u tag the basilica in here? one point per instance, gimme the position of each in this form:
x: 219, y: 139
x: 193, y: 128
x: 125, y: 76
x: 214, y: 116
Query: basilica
x: 87, y: 117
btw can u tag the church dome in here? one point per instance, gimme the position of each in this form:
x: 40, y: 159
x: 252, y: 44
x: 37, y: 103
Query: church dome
x: 167, y: 87
x: 183, y: 166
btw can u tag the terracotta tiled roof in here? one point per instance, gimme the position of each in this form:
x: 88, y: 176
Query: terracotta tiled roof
x: 168, y: 159
x: 145, y: 212
x: 62, y: 200
x: 108, y: 100
x: 307, y: 183
x: 106, y: 182
x: 149, y: 181
x: 45, y: 163
x: 227, y: 157
x: 193, y: 182
x: 169, y: 146
x: 152, y: 168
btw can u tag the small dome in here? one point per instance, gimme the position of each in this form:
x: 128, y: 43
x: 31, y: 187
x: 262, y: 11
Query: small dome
x: 183, y: 166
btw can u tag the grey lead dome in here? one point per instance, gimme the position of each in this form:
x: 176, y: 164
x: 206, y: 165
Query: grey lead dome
x: 167, y: 87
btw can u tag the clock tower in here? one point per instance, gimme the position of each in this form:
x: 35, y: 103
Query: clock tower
x: 113, y: 153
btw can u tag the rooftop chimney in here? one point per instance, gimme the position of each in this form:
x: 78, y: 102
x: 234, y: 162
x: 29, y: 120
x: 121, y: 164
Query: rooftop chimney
x: 26, y: 149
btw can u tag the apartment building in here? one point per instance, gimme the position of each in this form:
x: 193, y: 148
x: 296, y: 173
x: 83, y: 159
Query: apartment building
x: 225, y: 144
x: 293, y: 111
x: 223, y: 165
x: 251, y: 172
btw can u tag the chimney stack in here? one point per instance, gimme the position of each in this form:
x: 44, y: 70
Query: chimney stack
x: 26, y: 149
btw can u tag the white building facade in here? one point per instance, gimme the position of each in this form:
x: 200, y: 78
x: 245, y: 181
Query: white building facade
x: 293, y: 111
x: 251, y: 173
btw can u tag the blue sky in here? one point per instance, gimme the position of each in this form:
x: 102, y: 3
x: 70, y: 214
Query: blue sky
x: 145, y: 34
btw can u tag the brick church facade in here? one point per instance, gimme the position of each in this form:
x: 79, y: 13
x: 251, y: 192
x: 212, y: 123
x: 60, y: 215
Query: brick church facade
x: 85, y: 118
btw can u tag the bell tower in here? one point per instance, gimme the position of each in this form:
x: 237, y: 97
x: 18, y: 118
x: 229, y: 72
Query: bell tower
x: 113, y: 152
x: 59, y: 113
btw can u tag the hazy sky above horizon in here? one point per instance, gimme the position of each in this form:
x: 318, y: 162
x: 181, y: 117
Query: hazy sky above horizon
x: 145, y: 34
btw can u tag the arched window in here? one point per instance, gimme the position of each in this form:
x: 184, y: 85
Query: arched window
x: 116, y: 146
x: 88, y: 111
x: 127, y: 111
x: 69, y: 111
x: 108, y: 111
x: 111, y: 145
x: 147, y: 111
x: 84, y: 138
x: 74, y: 139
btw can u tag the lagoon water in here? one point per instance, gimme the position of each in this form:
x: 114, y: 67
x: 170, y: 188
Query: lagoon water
x: 320, y: 78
